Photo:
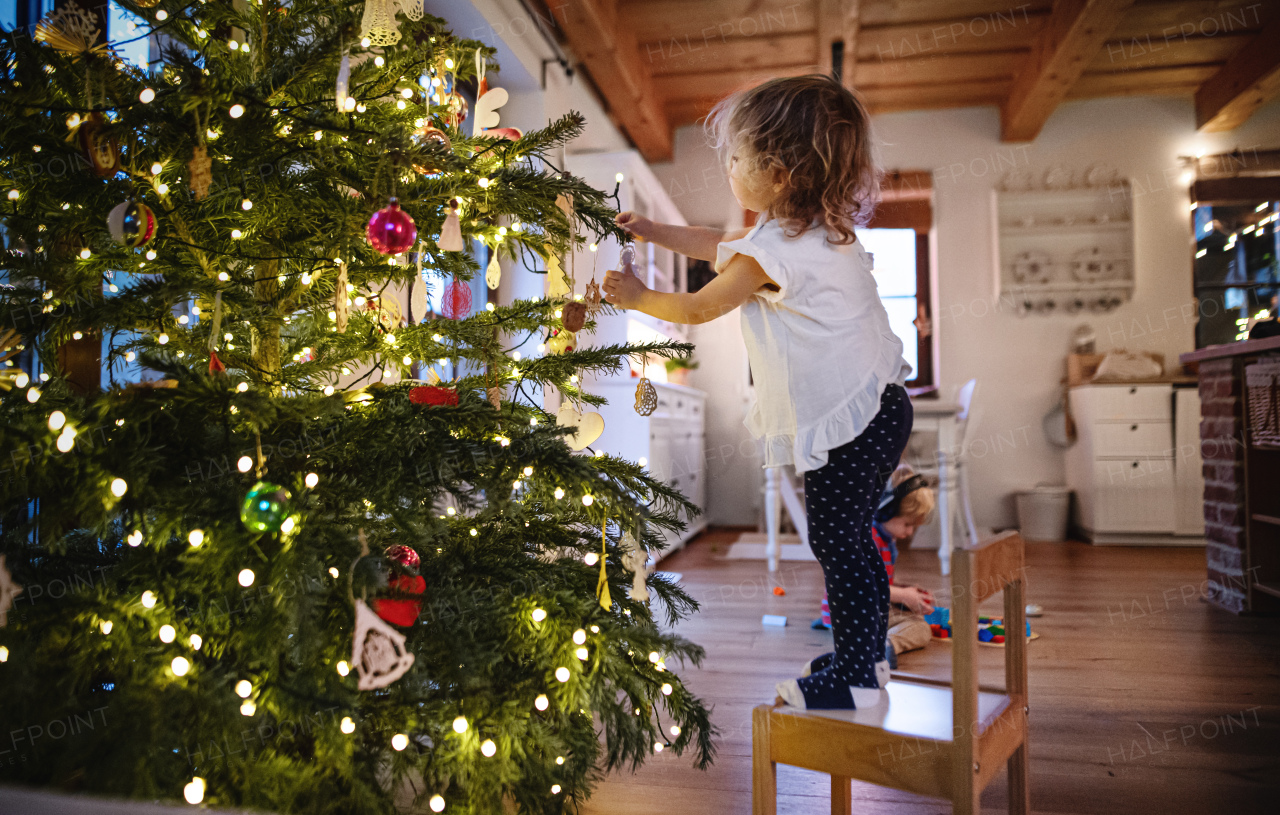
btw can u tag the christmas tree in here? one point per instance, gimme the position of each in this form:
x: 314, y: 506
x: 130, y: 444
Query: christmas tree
x: 275, y: 560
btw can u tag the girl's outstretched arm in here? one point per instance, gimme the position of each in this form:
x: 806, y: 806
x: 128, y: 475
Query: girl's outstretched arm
x: 691, y: 241
x: 742, y: 278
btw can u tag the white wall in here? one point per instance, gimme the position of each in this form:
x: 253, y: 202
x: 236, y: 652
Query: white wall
x: 1019, y: 361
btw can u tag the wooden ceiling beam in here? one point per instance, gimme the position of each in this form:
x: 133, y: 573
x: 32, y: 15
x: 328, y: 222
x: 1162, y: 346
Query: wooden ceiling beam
x: 928, y: 97
x: 719, y: 84
x: 1119, y: 56
x: 675, y: 57
x: 1180, y: 80
x: 609, y: 52
x: 1249, y: 79
x: 1170, y: 20
x: 907, y: 12
x: 1070, y: 39
x: 938, y: 69
x: 703, y: 23
x: 967, y: 36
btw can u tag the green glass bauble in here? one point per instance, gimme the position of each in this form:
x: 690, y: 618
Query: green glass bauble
x: 265, y: 507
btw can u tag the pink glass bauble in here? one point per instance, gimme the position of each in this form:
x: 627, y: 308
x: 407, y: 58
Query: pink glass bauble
x: 403, y: 555
x: 391, y: 230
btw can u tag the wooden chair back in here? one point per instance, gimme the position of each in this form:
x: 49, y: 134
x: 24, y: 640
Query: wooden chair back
x: 978, y: 572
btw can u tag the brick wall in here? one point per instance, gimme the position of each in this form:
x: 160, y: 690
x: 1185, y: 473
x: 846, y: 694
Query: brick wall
x: 1222, y: 448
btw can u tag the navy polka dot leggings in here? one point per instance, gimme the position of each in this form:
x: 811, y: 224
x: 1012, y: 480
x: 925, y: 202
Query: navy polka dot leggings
x: 840, y: 499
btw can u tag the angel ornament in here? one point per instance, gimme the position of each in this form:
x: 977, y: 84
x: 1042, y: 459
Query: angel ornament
x: 379, y: 21
x: 635, y: 559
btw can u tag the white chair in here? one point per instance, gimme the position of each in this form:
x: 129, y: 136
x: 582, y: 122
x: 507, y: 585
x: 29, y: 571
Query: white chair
x: 965, y: 399
x: 778, y: 483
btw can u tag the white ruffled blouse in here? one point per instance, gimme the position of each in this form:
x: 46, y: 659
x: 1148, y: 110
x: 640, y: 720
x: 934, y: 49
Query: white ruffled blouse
x: 821, y: 350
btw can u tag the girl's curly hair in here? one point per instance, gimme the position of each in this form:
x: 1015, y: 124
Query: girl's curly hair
x: 815, y: 135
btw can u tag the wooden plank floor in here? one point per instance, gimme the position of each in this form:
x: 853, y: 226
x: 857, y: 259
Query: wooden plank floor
x: 1144, y: 699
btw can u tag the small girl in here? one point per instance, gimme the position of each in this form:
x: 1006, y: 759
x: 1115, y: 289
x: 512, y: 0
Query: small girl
x: 828, y: 371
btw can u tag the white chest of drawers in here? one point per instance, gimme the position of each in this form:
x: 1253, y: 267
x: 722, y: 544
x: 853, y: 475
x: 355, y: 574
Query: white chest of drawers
x: 1132, y: 475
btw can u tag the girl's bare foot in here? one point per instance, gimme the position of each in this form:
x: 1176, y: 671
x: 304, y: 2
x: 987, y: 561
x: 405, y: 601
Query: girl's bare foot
x: 778, y: 701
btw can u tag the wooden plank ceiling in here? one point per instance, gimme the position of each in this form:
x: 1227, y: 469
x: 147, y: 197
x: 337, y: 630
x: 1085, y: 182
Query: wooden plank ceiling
x: 660, y: 64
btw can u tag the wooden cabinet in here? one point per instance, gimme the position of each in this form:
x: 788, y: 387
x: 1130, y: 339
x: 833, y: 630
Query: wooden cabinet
x: 1129, y: 468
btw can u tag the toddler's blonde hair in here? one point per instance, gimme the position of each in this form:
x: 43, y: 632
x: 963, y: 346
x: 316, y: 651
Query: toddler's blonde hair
x: 917, y: 505
x: 815, y: 135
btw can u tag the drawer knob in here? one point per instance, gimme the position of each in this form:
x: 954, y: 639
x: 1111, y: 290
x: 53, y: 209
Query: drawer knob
x: 1133, y: 427
x: 1135, y: 464
x: 1133, y: 390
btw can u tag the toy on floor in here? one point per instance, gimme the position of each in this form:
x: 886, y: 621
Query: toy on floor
x: 990, y: 629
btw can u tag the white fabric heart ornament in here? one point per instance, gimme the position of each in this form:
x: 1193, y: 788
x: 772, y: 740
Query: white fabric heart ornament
x: 586, y: 427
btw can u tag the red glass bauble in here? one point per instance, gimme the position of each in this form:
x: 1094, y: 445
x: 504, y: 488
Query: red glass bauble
x: 457, y: 300
x: 403, y: 555
x: 391, y: 230
x: 401, y: 612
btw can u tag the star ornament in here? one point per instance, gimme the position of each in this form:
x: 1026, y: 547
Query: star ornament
x: 8, y: 591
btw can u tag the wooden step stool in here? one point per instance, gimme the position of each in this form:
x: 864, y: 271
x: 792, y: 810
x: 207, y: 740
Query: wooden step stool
x: 910, y: 742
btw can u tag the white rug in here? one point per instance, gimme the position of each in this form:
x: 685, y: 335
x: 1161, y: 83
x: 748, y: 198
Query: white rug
x: 750, y: 546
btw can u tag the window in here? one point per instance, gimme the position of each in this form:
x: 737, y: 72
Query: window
x: 1236, y: 273
x: 898, y: 237
x: 128, y: 35
x: 1235, y: 267
x: 895, y: 273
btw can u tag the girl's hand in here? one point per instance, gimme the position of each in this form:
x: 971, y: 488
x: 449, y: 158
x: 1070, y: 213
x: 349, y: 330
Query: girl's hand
x: 635, y: 225
x: 916, y: 599
x: 623, y: 290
